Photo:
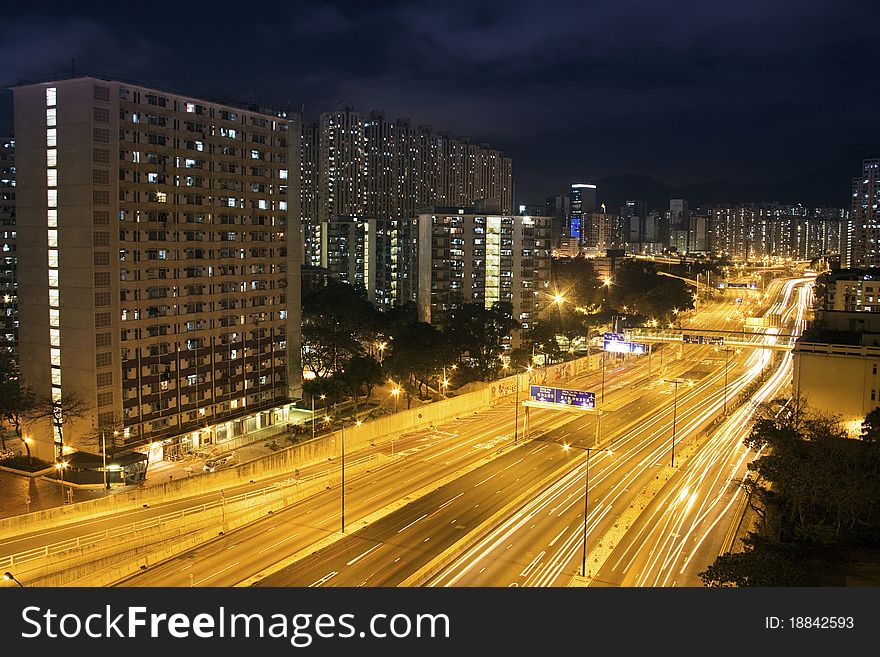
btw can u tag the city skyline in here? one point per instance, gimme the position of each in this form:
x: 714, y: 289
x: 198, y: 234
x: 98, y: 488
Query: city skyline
x: 646, y: 90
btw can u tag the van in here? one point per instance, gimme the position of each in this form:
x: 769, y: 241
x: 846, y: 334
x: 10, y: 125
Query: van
x: 218, y: 461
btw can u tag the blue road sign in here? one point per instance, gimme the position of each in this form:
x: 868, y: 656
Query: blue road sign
x: 563, y: 397
x: 622, y: 347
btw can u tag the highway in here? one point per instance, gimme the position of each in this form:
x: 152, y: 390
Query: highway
x: 391, y: 549
x: 426, y: 457
x: 240, y: 555
x: 541, y: 544
x: 697, y: 513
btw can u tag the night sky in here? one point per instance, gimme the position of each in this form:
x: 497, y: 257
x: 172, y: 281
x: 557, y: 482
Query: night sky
x: 683, y: 90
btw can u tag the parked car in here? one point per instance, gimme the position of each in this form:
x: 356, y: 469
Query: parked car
x: 218, y: 461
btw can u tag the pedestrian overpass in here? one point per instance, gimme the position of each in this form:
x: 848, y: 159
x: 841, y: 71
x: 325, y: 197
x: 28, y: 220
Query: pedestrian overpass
x: 709, y: 337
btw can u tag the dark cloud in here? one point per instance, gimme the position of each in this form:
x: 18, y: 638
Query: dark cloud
x: 684, y: 90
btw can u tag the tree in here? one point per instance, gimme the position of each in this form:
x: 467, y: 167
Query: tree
x: 417, y: 354
x: 871, y: 427
x: 818, y: 492
x: 480, y: 332
x: 337, y: 324
x: 332, y: 387
x: 69, y: 407
x: 756, y: 566
x: 16, y: 403
x: 362, y: 371
x: 639, y: 287
x: 108, y: 433
x: 576, y: 280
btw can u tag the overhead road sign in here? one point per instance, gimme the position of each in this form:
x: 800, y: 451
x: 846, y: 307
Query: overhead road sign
x: 563, y: 397
x: 623, y: 347
x: 702, y: 339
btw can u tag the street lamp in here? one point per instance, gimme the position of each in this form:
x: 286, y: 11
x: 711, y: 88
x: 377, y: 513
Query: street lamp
x: 104, y: 455
x: 726, y: 351
x: 396, y: 392
x: 60, y: 466
x: 313, y: 414
x: 607, y: 284
x: 566, y: 447
x: 357, y: 423
x: 516, y: 404
x: 9, y: 577
x: 675, y: 382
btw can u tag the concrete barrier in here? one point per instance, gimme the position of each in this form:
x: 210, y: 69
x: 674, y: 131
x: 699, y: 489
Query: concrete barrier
x: 303, y: 454
x: 80, y: 565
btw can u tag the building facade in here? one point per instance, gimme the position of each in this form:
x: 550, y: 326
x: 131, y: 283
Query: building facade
x: 466, y: 257
x: 371, y: 167
x: 160, y: 255
x: 866, y: 216
x: 358, y: 252
x: 8, y: 274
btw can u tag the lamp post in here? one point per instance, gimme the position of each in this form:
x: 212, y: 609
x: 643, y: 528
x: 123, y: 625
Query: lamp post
x: 357, y: 423
x: 607, y: 284
x: 60, y: 466
x: 104, y: 455
x: 603, y: 375
x: 9, y: 577
x: 313, y: 414
x: 726, y: 351
x: 675, y: 383
x: 396, y: 392
x: 566, y: 447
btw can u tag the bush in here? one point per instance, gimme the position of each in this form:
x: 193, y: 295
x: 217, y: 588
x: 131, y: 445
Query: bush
x: 21, y: 462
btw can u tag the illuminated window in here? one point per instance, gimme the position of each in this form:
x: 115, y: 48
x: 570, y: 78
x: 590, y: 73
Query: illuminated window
x: 55, y: 355
x: 52, y: 218
x: 51, y: 157
x: 52, y: 198
x: 53, y: 278
x: 56, y: 377
x: 53, y: 258
x: 50, y: 117
x: 52, y: 177
x: 54, y: 317
x: 53, y: 239
x: 55, y: 337
x: 51, y: 96
x: 51, y: 137
x: 283, y: 174
x: 53, y: 298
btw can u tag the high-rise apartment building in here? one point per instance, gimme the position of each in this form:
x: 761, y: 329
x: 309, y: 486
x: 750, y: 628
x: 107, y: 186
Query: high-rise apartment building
x: 468, y: 257
x: 358, y: 252
x: 762, y: 230
x: 866, y: 216
x: 8, y: 276
x: 582, y: 203
x: 159, y: 261
x: 375, y: 168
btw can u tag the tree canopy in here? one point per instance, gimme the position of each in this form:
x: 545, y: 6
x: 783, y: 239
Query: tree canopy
x: 817, y: 492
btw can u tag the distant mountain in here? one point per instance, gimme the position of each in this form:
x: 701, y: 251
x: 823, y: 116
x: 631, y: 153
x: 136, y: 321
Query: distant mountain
x: 829, y: 185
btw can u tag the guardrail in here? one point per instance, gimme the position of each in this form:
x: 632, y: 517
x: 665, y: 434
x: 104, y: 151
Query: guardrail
x: 115, y: 533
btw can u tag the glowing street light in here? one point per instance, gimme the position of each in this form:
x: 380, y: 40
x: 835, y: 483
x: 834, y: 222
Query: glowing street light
x: 60, y: 466
x: 396, y: 393
x: 9, y: 577
x: 313, y: 414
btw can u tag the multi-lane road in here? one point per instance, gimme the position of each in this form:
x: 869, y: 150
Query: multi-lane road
x: 636, y: 425
x: 542, y: 543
